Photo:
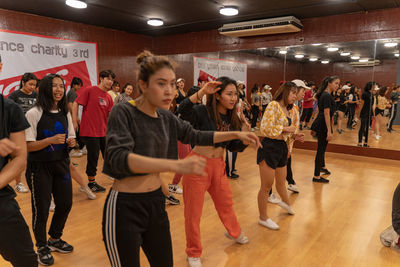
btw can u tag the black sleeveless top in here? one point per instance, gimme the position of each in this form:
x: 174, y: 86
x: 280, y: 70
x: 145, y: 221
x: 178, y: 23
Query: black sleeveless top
x: 49, y: 125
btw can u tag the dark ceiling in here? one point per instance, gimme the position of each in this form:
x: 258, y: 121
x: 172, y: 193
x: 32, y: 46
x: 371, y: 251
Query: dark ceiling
x: 373, y: 49
x: 181, y: 16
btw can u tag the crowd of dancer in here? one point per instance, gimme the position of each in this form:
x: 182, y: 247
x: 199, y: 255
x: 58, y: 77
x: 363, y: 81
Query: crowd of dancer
x: 139, y: 137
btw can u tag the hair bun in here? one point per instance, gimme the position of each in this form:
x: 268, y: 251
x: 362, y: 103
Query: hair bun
x: 143, y: 56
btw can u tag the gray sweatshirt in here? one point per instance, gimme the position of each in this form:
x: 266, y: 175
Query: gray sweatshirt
x: 129, y: 130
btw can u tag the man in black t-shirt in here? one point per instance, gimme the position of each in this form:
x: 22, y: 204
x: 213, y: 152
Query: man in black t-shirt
x: 15, y: 240
x: 23, y: 99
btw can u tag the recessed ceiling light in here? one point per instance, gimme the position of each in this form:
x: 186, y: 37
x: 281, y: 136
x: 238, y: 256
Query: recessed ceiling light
x: 155, y: 22
x: 316, y: 44
x: 229, y: 10
x: 76, y: 4
x: 363, y: 60
x: 391, y: 44
x: 325, y: 61
x: 332, y: 49
x: 345, y: 54
x: 283, y: 52
x: 313, y: 59
x: 355, y: 57
x: 262, y: 48
x: 299, y: 56
x: 396, y: 55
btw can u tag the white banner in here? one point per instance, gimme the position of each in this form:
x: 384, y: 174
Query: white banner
x: 214, y: 68
x: 25, y: 52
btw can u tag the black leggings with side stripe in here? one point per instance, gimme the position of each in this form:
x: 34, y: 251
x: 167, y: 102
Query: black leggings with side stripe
x: 134, y: 220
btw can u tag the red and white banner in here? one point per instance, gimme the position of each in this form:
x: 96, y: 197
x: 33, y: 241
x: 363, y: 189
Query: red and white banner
x: 41, y: 55
x: 214, y: 68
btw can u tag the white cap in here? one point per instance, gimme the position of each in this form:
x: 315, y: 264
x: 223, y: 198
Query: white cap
x: 267, y: 87
x: 300, y: 83
x: 345, y: 87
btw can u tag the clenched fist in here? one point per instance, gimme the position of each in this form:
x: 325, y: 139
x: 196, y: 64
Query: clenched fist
x: 192, y: 165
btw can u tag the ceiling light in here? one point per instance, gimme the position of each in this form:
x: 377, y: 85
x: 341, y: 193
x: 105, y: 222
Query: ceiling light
x: 391, y: 44
x: 229, y: 11
x: 262, y: 48
x: 76, y: 4
x: 363, y: 60
x: 396, y: 55
x: 155, y: 22
x: 345, y: 54
x: 299, y: 56
x: 313, y: 59
x: 283, y: 52
x: 325, y: 61
x: 316, y: 44
x: 332, y: 49
x: 355, y: 57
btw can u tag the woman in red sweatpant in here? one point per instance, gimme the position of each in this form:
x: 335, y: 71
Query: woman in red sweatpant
x: 218, y: 115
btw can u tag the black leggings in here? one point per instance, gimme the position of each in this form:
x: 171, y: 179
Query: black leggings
x: 307, y: 113
x: 45, y: 179
x: 289, y: 175
x: 230, y: 161
x: 393, y: 112
x: 255, y: 110
x: 93, y: 145
x: 352, y: 110
x: 320, y: 156
x: 363, y: 130
x: 15, y: 239
x: 134, y: 220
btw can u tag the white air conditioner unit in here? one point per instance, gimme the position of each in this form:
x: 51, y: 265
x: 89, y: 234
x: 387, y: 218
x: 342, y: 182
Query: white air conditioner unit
x: 370, y: 63
x: 262, y: 27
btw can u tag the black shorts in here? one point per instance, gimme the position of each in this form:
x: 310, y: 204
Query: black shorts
x: 342, y: 108
x: 379, y: 111
x: 274, y: 152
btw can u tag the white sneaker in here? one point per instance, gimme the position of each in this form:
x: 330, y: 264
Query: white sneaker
x: 242, y: 239
x: 377, y: 137
x: 389, y: 236
x: 21, y: 188
x: 174, y: 188
x: 194, y: 262
x: 285, y: 206
x: 75, y: 154
x: 269, y: 224
x: 256, y: 128
x: 88, y: 192
x: 293, y: 187
x: 273, y: 199
x: 52, y: 205
x: 84, y: 150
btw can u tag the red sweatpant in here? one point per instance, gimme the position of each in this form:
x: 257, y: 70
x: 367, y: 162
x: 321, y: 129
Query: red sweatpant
x: 194, y: 188
x: 183, y: 152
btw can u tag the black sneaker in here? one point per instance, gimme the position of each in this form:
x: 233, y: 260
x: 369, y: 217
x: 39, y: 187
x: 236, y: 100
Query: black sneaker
x: 320, y: 180
x: 389, y: 130
x: 95, y: 187
x: 60, y: 246
x: 233, y: 176
x: 44, y: 256
x: 172, y: 200
x: 325, y: 171
x: 366, y: 145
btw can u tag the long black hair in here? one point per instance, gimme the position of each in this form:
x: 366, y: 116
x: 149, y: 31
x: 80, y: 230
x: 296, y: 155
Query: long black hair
x: 45, y: 98
x: 27, y: 77
x: 212, y: 104
x: 369, y: 86
x: 324, y: 85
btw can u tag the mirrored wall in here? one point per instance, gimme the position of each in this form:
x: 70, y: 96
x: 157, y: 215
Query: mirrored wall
x: 354, y: 62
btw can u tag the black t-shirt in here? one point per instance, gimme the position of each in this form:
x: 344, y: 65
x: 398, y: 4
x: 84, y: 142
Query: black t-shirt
x: 71, y: 96
x: 366, y: 109
x: 180, y: 97
x: 23, y: 100
x: 324, y: 101
x: 12, y: 120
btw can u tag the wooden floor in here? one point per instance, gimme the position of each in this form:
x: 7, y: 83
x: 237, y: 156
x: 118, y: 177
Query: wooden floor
x: 336, y: 224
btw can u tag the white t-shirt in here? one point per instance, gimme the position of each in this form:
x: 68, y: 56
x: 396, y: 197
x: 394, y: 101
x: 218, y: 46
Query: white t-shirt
x: 33, y: 116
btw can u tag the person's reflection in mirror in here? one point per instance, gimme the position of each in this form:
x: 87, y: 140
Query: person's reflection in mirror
x: 366, y: 115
